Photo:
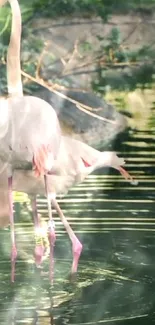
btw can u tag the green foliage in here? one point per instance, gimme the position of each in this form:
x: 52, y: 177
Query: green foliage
x: 102, y: 8
x: 122, y: 68
x: 127, y: 80
x: 114, y: 37
x: 30, y: 68
x: 114, y: 50
x: 85, y: 46
x: 54, y: 8
x: 118, y: 66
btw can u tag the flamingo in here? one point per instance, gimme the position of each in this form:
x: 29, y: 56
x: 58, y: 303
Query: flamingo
x: 30, y: 133
x: 75, y: 161
x: 20, y: 147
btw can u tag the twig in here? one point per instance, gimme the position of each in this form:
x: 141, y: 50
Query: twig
x: 40, y: 59
x: 75, y: 51
x: 79, y: 106
x: 63, y: 61
x: 130, y: 33
x: 102, y: 62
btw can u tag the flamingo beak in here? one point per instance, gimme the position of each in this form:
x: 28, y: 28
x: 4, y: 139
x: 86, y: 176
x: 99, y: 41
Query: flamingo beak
x: 127, y: 176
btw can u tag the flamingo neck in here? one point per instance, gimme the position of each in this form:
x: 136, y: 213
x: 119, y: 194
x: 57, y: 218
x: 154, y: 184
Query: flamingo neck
x: 13, y: 55
x: 104, y: 159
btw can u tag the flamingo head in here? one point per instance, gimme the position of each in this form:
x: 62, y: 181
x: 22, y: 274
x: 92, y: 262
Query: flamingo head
x: 109, y: 158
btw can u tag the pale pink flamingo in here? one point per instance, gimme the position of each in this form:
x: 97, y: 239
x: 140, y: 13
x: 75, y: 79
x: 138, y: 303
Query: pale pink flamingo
x: 75, y: 161
x: 29, y: 129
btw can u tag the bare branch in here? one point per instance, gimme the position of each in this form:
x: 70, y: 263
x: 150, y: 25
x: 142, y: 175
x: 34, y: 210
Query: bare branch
x: 79, y: 105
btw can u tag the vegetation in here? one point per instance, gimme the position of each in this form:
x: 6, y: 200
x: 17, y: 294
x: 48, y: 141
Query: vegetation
x: 123, y: 68
x: 118, y: 67
x: 89, y: 7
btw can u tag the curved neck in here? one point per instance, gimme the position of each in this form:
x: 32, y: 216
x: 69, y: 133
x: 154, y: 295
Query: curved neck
x: 14, y: 81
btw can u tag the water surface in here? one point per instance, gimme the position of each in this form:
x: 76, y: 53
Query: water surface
x: 115, y: 221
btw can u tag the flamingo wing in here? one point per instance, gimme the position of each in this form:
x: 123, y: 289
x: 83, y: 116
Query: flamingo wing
x: 81, y: 151
x: 35, y: 132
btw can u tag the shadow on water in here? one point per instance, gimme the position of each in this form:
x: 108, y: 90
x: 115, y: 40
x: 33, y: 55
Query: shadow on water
x: 115, y: 221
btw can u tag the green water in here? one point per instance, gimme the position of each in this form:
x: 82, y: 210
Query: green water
x: 115, y: 221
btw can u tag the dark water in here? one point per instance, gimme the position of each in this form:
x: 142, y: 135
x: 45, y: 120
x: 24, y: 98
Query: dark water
x: 115, y: 221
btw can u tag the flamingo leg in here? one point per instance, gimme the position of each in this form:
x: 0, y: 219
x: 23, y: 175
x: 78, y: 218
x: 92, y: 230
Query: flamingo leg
x: 12, y: 229
x: 39, y: 249
x: 76, y: 244
x: 51, y: 231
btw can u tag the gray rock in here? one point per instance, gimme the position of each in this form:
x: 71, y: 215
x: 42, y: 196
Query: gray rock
x: 79, y: 124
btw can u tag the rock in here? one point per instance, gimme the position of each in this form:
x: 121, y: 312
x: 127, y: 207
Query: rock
x: 79, y: 124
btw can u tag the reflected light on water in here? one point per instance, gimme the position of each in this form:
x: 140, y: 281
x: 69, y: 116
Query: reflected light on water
x: 115, y: 221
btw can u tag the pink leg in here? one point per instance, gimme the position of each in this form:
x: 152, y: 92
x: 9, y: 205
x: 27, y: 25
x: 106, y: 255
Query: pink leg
x: 39, y: 249
x: 51, y: 231
x: 76, y: 245
x: 13, y: 249
x: 52, y: 239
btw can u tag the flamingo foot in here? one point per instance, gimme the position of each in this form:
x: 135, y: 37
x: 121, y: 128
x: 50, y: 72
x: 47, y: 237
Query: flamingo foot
x: 38, y: 254
x: 52, y: 239
x: 76, y: 249
x: 76, y: 245
x: 13, y: 262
